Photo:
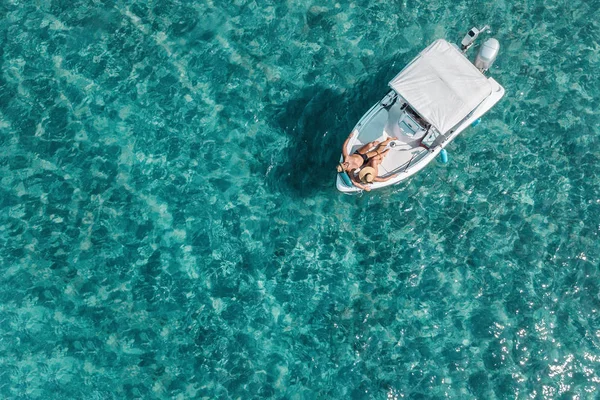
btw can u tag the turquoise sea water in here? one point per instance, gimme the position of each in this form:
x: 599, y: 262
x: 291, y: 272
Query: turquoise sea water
x: 169, y: 225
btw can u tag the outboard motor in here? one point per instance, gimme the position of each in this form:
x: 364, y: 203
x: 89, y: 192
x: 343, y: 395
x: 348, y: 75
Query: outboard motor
x: 487, y: 54
x: 470, y: 37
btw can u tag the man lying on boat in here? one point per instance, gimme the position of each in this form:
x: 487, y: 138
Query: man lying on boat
x: 363, y: 165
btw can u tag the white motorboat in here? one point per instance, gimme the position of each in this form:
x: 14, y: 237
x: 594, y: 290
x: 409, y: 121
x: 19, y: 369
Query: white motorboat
x: 433, y: 99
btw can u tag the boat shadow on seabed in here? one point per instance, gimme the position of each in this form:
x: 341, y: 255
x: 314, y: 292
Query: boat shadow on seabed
x: 318, y: 121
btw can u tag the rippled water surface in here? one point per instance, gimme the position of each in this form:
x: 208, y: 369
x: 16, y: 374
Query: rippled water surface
x: 170, y: 228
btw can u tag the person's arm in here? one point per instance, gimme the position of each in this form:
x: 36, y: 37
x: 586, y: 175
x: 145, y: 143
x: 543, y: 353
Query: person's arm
x: 387, y: 178
x: 357, y: 183
x: 345, y: 145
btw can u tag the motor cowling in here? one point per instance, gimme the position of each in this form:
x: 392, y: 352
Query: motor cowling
x: 487, y: 54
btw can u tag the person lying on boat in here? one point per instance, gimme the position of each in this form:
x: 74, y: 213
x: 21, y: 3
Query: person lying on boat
x: 370, y: 155
x: 361, y: 156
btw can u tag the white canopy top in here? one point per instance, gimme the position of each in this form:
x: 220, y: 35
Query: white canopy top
x: 442, y: 85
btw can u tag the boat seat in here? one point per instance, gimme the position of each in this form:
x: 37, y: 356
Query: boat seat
x: 373, y: 130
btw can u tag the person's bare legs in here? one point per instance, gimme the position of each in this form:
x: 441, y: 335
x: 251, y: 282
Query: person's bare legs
x: 365, y: 149
x: 375, y: 162
x: 376, y: 145
x: 381, y: 148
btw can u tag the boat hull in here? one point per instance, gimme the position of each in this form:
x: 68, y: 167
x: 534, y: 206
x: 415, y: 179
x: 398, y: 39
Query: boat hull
x: 366, y: 133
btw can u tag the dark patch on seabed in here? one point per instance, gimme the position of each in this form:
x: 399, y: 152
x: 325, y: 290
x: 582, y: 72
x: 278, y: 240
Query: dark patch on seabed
x: 316, y: 121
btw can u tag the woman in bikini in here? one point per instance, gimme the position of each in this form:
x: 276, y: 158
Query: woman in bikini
x: 367, y: 158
